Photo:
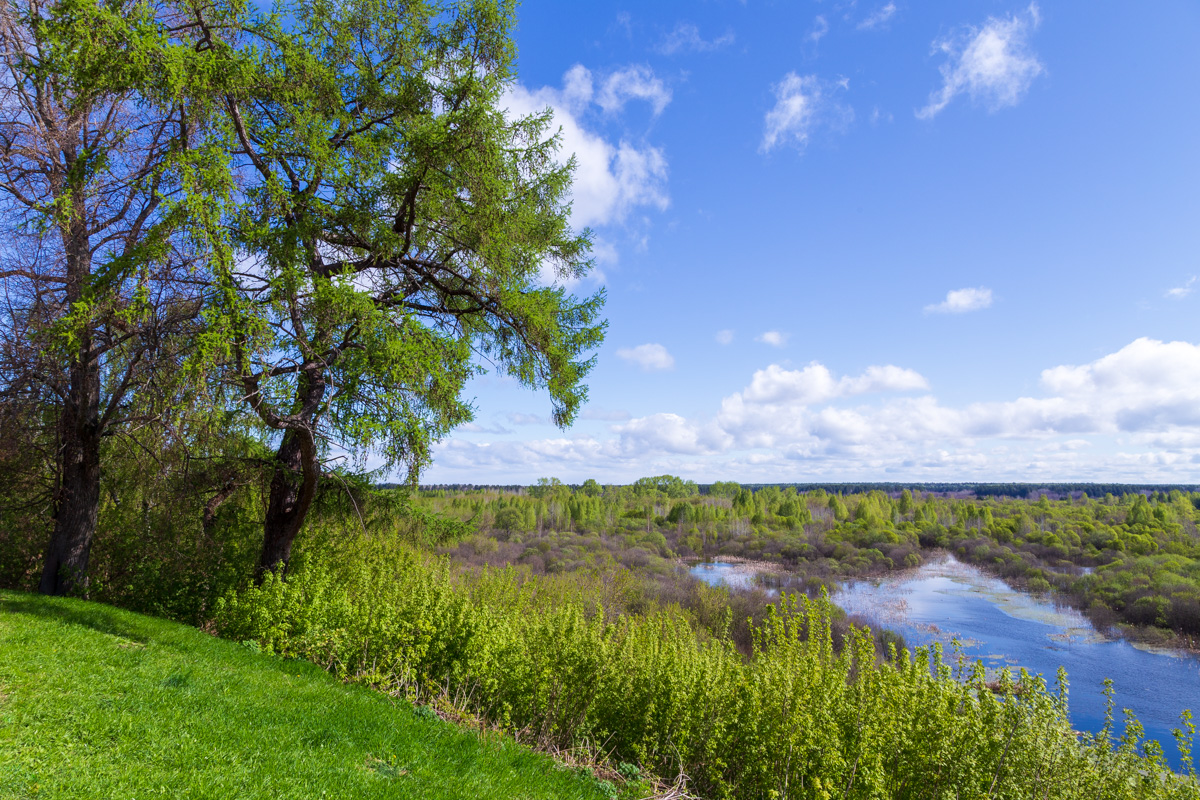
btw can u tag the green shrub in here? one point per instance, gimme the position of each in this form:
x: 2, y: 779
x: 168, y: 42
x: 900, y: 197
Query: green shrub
x: 542, y: 658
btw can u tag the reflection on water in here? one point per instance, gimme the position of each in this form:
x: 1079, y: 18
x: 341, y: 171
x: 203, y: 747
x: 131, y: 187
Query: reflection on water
x: 716, y: 573
x: 948, y: 600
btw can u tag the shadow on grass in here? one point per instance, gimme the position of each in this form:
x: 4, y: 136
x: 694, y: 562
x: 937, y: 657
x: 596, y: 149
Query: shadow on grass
x: 95, y: 616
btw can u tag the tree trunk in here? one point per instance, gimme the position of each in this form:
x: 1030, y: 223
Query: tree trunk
x: 293, y: 487
x: 78, y: 497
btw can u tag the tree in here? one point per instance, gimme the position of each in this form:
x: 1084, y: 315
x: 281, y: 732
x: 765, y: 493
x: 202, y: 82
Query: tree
x: 669, y: 485
x: 840, y: 512
x: 727, y: 489
x: 99, y: 178
x: 681, y: 512
x: 393, y: 230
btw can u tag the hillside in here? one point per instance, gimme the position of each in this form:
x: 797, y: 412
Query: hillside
x: 99, y: 702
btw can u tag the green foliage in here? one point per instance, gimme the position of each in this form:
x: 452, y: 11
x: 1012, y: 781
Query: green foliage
x: 666, y: 485
x: 399, y: 222
x: 538, y: 657
x: 1141, y: 556
x: 147, y: 708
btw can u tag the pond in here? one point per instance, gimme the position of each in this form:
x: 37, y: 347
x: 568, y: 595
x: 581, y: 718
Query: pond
x: 947, y: 600
x: 715, y: 573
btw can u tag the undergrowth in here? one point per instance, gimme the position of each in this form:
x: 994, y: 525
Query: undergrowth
x: 543, y: 658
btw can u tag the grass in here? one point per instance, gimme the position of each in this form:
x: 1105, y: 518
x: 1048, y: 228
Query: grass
x: 99, y: 702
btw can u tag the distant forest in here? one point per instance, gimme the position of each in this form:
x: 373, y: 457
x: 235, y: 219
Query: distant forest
x: 1053, y: 491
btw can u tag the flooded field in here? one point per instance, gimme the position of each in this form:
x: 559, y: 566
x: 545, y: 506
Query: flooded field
x: 948, y: 601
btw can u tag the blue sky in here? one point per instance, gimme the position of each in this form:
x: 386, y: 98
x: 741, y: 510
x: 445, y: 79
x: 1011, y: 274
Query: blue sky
x: 872, y: 240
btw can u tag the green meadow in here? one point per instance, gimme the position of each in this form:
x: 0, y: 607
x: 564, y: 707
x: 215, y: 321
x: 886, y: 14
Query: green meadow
x: 104, y: 703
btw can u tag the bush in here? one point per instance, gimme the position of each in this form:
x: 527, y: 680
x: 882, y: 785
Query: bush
x: 542, y: 657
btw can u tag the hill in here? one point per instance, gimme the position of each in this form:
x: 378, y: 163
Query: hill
x: 99, y: 702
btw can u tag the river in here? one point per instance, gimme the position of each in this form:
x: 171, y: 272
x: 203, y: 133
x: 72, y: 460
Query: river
x: 947, y: 600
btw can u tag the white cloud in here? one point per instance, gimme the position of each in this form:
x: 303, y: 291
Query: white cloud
x: 605, y: 415
x: 625, y: 23
x: 960, y: 301
x: 604, y: 251
x: 725, y: 336
x: 633, y: 83
x: 773, y: 338
x: 878, y: 115
x: 802, y: 102
x: 1180, y: 292
x: 668, y: 433
x: 686, y: 37
x: 993, y: 64
x: 1131, y: 415
x: 819, y: 29
x: 887, y: 378
x: 1147, y: 388
x: 816, y: 384
x: 475, y: 427
x: 517, y: 418
x: 879, y: 18
x: 650, y: 357
x: 1146, y: 385
x: 611, y: 179
x: 577, y: 87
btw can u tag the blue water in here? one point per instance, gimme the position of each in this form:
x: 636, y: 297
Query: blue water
x: 948, y: 600
x: 715, y: 573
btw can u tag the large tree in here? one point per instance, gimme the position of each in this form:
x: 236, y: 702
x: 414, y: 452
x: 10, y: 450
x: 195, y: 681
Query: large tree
x: 395, y: 228
x: 97, y: 181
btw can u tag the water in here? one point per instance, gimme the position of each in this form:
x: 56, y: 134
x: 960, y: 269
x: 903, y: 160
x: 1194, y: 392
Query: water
x: 715, y: 573
x: 948, y: 600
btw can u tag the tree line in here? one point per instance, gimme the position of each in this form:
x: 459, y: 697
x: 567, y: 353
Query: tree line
x: 1131, y: 559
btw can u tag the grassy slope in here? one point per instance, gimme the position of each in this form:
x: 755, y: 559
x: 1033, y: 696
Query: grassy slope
x: 98, y: 702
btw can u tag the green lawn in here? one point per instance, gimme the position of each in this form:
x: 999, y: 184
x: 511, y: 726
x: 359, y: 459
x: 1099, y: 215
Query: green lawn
x: 99, y: 702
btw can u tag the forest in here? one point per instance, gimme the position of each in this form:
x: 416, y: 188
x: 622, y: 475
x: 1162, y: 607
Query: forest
x: 1129, y: 561
x: 561, y: 615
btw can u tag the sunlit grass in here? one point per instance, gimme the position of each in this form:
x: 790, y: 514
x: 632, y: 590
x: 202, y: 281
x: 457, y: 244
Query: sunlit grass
x: 98, y: 702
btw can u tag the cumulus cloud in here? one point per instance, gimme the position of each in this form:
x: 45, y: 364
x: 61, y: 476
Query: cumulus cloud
x: 650, y: 357
x: 773, y: 338
x: 816, y: 384
x: 541, y: 455
x: 686, y: 38
x: 780, y: 406
x: 993, y: 64
x: 1146, y: 385
x: 878, y: 18
x: 669, y: 433
x: 724, y: 337
x: 887, y: 378
x: 802, y: 103
x: 960, y: 301
x: 633, y: 83
x: 1148, y: 390
x: 1180, y: 292
x: 611, y: 178
x: 1133, y: 414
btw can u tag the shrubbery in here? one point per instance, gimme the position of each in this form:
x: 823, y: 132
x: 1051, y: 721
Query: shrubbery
x: 1105, y: 553
x: 547, y: 659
